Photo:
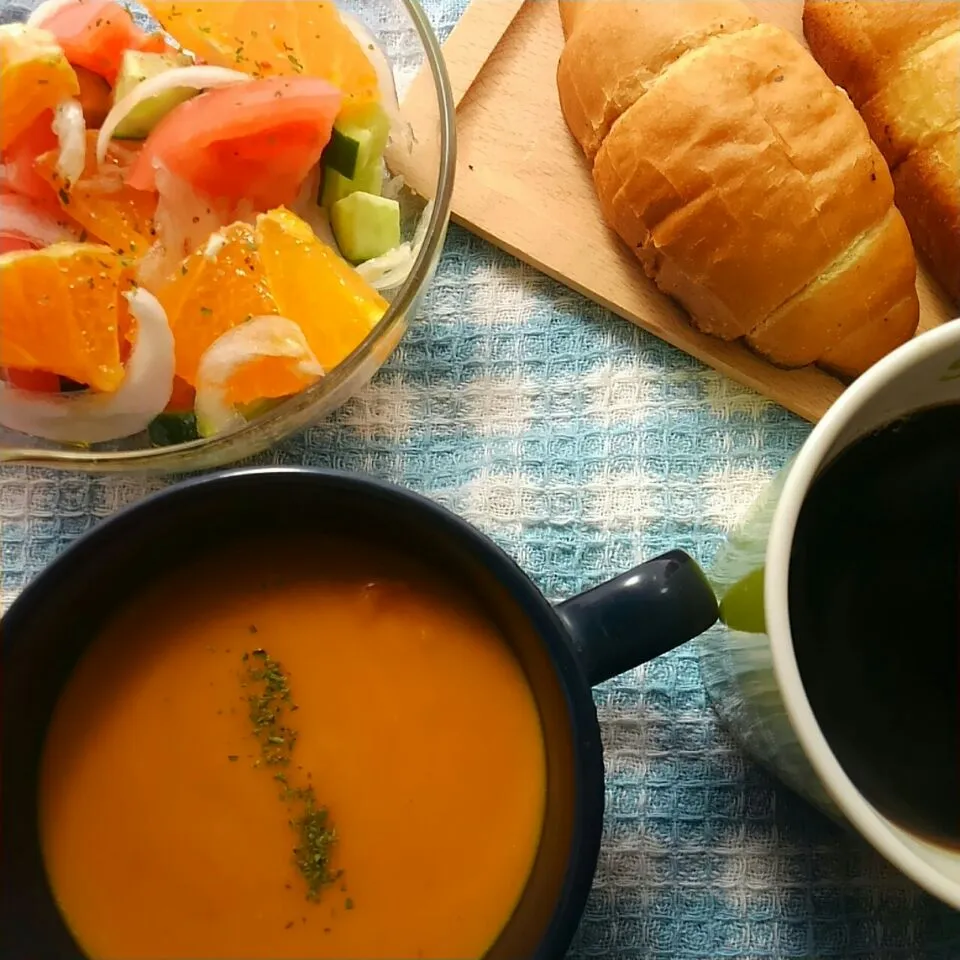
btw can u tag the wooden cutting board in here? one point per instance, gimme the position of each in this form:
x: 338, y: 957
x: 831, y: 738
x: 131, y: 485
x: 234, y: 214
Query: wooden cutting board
x: 523, y: 184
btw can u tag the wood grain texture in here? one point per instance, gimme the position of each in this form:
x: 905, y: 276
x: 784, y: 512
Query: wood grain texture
x: 523, y: 184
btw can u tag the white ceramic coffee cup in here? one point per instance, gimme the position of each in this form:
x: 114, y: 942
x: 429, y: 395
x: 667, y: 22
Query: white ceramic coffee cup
x: 753, y: 677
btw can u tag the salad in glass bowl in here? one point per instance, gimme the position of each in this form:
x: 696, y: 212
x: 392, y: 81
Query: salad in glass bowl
x: 202, y: 246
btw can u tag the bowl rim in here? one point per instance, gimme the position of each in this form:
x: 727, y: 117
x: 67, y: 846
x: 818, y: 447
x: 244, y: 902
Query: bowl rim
x: 216, y: 449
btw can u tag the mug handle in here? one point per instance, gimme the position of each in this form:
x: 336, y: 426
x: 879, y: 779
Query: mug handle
x: 639, y: 615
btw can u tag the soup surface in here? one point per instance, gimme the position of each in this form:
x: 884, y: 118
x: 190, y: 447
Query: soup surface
x: 167, y: 831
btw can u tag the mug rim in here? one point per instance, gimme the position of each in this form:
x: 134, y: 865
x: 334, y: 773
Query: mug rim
x: 586, y: 744
x: 878, y: 830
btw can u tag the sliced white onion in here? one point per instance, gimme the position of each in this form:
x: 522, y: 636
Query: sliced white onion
x: 391, y: 269
x: 22, y: 216
x: 214, y: 245
x: 393, y: 186
x: 96, y: 417
x: 184, y: 222
x: 155, y: 267
x: 71, y: 131
x: 388, y: 270
x: 185, y: 219
x: 245, y: 211
x: 265, y: 336
x: 46, y: 10
x: 179, y: 78
x: 380, y: 63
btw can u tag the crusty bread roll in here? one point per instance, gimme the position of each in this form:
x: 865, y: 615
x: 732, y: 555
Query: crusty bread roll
x: 742, y: 178
x: 900, y: 62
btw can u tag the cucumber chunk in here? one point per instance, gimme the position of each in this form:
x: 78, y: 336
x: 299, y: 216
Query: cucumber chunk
x: 343, y: 153
x: 365, y: 226
x: 358, y: 140
x: 336, y: 186
x: 167, y: 429
x: 135, y: 67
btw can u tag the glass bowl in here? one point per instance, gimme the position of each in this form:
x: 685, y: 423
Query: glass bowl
x: 404, y: 32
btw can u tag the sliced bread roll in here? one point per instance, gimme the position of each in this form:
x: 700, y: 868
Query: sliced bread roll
x: 742, y: 178
x: 900, y: 62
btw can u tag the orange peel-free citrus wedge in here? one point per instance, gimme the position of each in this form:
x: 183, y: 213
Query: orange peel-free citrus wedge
x: 273, y: 38
x: 34, y: 76
x: 100, y: 200
x: 277, y: 267
x: 64, y: 313
x: 91, y: 417
x: 315, y: 287
x: 271, y: 348
x: 216, y: 288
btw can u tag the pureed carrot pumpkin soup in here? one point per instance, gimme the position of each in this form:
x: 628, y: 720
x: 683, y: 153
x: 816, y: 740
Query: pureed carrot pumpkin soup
x: 291, y: 750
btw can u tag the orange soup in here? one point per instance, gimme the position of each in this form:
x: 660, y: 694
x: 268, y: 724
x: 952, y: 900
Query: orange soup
x: 269, y: 716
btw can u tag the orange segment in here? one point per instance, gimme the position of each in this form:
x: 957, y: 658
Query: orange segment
x: 315, y: 288
x: 34, y: 76
x: 211, y: 294
x: 269, y: 37
x: 102, y: 203
x: 266, y: 378
x: 278, y: 267
x: 62, y: 309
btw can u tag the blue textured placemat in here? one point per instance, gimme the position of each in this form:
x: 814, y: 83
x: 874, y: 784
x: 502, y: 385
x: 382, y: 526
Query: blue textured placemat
x: 583, y: 445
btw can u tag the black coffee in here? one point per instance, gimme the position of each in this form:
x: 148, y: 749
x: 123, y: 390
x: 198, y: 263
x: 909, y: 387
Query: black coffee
x: 875, y: 616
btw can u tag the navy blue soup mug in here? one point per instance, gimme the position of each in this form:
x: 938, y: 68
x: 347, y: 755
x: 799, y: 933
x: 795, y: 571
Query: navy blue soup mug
x: 563, y: 650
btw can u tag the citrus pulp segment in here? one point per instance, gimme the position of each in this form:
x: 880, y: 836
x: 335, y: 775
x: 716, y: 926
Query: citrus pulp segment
x: 315, y: 288
x: 278, y: 267
x: 34, y: 77
x: 212, y: 292
x: 271, y: 38
x: 63, y: 312
x: 102, y: 202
